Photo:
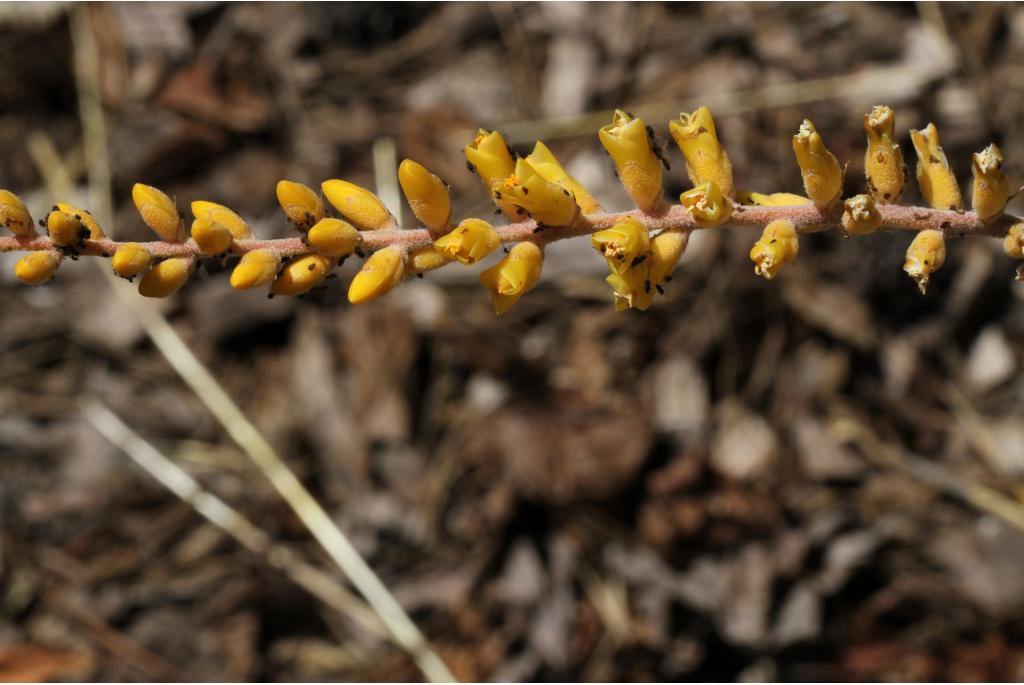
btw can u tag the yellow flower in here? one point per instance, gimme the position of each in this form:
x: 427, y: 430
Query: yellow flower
x: 256, y: 268
x: 220, y: 214
x: 636, y: 286
x: 547, y: 203
x: 748, y: 197
x: 379, y: 275
x: 130, y: 260
x: 1013, y: 243
x: 924, y: 256
x: 489, y: 156
x: 469, y: 242
x: 708, y: 206
x: 68, y: 225
x: 37, y: 268
x: 936, y: 180
x: 514, y: 276
x: 165, y: 278
x: 302, y: 206
x: 545, y: 163
x: 778, y: 245
x: 883, y: 162
x: 706, y: 159
x: 14, y: 215
x: 822, y: 175
x: 622, y: 244
x: 424, y: 259
x: 301, y: 274
x: 159, y: 213
x: 991, y: 189
x: 212, y: 237
x: 639, y: 168
x: 361, y: 207
x: 427, y: 195
x: 860, y: 215
x: 334, y: 238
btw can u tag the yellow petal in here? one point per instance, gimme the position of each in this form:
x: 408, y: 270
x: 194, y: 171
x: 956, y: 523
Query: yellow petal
x: 860, y: 215
x: 706, y: 159
x: 883, y: 161
x: 159, y: 213
x: 934, y: 177
x: 551, y: 170
x: 925, y: 255
x: 513, y: 276
x: 469, y: 242
x: 991, y: 190
x: 778, y: 244
x: 822, y: 175
x: 636, y: 163
x: 708, y: 206
x: 548, y: 203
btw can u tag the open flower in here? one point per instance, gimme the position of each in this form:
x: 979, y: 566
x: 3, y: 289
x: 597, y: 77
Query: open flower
x: 991, y: 190
x: 159, y: 213
x: 427, y: 195
x: 514, y: 276
x: 883, y: 161
x: 1013, y: 242
x: 623, y: 244
x: 546, y: 202
x: 708, y: 206
x: 469, y: 242
x: 359, y: 206
x: 706, y: 159
x: 778, y: 244
x: 302, y: 206
x: 925, y: 255
x: 636, y: 286
x: 627, y: 141
x: 489, y: 156
x: 379, y: 275
x: 860, y: 215
x: 545, y: 163
x: 822, y: 175
x: 14, y: 216
x: 936, y: 180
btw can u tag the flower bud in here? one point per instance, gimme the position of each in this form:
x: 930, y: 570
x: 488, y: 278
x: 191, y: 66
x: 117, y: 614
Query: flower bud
x: 639, y: 168
x: 860, y: 215
x: 379, y: 275
x: 424, y: 259
x: 220, y: 214
x: 489, y: 156
x: 883, y: 162
x: 778, y: 245
x: 334, y: 237
x: 772, y: 199
x: 130, y: 260
x: 622, y: 244
x: 14, y: 216
x: 936, y: 180
x: 545, y: 163
x: 37, y: 268
x: 924, y: 256
x: 68, y: 225
x: 302, y: 206
x: 991, y: 190
x: 159, y: 213
x: 822, y: 175
x: 165, y: 277
x: 469, y: 242
x: 1013, y: 243
x: 256, y: 268
x: 514, y: 276
x: 212, y: 237
x: 301, y: 274
x: 706, y: 159
x: 708, y: 206
x: 547, y: 203
x: 427, y: 195
x: 358, y: 205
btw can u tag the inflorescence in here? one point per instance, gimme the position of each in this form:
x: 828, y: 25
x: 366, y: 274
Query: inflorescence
x: 542, y: 203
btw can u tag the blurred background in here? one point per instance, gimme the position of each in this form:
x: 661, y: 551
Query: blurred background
x: 818, y: 477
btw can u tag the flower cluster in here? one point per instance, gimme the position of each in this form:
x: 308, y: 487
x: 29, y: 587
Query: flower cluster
x: 542, y: 203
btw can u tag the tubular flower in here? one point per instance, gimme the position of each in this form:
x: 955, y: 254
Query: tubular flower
x: 379, y: 275
x: 427, y: 195
x: 936, y: 180
x: 636, y: 286
x: 860, y: 215
x: 37, y: 268
x: 159, y: 213
x: 14, y: 215
x: 334, y: 238
x: 424, y: 259
x: 1013, y: 243
x: 469, y: 242
x: 301, y: 274
x: 130, y: 260
x: 706, y: 203
x: 925, y: 255
x: 490, y: 157
x: 636, y: 162
x: 706, y: 159
x: 546, y: 202
x: 747, y: 197
x: 302, y: 206
x: 991, y: 190
x: 823, y: 177
x: 778, y: 245
x: 624, y: 245
x: 883, y: 162
x: 358, y: 205
x: 545, y: 163
x: 256, y: 268
x: 68, y: 225
x: 514, y: 276
x: 165, y: 277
